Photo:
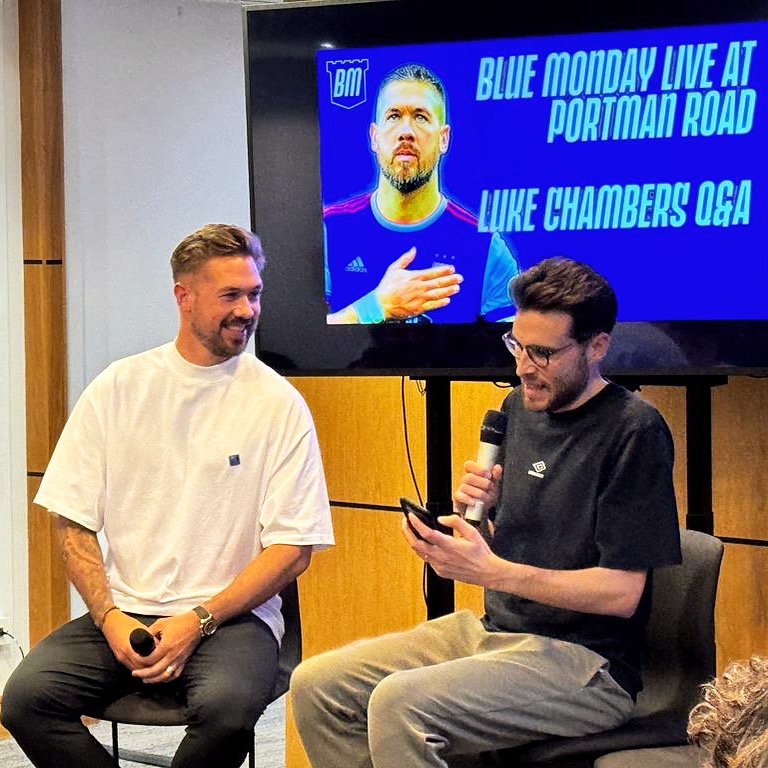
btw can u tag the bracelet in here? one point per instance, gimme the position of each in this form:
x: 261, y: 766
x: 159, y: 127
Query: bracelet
x: 104, y: 616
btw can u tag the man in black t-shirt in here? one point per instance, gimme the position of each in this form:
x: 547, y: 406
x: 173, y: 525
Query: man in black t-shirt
x: 583, y: 509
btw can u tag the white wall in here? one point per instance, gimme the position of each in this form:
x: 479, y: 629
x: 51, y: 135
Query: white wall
x: 154, y: 147
x: 13, y: 497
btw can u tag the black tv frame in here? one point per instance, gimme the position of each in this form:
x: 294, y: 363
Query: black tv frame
x: 286, y: 207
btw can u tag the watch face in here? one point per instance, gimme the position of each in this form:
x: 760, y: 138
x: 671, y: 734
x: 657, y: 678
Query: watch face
x: 208, y: 627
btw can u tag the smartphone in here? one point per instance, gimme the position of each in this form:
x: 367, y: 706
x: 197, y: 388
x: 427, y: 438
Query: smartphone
x: 426, y: 517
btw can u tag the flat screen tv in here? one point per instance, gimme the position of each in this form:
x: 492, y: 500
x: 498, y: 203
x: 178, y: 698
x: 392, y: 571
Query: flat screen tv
x: 631, y: 136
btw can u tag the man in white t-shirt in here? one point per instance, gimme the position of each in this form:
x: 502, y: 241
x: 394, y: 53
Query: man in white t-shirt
x: 200, y: 466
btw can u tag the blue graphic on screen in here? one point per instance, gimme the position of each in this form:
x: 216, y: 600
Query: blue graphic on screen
x: 446, y: 168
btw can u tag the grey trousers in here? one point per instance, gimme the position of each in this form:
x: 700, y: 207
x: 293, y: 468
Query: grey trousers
x: 448, y: 687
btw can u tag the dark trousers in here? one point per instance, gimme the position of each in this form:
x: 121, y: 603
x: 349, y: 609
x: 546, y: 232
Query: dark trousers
x: 227, y: 683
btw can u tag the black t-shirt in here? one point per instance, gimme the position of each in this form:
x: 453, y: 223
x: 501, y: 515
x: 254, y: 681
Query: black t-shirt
x: 584, y: 488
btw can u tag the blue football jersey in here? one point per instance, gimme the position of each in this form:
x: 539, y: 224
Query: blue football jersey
x: 360, y: 244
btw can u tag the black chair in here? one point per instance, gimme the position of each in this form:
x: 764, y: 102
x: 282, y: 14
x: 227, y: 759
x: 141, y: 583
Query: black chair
x: 661, y: 757
x: 680, y: 657
x: 155, y: 708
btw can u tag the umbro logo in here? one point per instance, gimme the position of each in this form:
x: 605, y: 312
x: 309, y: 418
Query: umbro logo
x: 356, y: 265
x: 539, y: 467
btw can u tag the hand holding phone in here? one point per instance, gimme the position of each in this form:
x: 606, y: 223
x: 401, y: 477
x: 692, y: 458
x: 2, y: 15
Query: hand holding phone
x: 424, y: 515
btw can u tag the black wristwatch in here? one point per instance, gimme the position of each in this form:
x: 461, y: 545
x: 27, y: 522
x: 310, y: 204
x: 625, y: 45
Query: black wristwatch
x: 208, y: 625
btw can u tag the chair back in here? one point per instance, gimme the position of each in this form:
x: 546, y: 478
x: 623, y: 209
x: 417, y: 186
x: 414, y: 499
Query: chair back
x: 680, y: 656
x: 680, y: 637
x: 290, y: 648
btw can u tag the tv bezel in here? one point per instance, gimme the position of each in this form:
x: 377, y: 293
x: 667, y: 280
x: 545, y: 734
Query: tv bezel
x: 286, y: 207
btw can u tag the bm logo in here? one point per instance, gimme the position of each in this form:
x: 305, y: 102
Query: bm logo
x: 347, y: 82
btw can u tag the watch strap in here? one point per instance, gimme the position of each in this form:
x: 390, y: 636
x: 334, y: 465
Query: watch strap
x: 202, y: 613
x: 208, y: 623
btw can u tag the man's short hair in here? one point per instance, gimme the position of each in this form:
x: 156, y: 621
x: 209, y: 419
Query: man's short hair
x: 731, y: 723
x: 420, y: 74
x: 563, y: 285
x: 212, y: 241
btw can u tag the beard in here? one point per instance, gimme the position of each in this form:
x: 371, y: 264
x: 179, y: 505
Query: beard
x: 219, y: 346
x: 405, y: 180
x: 562, y: 391
x: 570, y: 391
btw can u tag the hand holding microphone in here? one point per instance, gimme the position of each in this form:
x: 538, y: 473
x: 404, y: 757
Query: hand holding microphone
x: 492, y: 434
x: 142, y: 641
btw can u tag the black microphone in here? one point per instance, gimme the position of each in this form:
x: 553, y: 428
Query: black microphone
x: 492, y: 434
x: 142, y: 641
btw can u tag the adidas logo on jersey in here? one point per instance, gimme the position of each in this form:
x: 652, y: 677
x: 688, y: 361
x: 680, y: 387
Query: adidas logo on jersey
x: 356, y: 265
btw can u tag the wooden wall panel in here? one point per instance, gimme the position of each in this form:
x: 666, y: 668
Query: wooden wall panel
x: 47, y: 579
x: 740, y: 455
x: 742, y: 604
x: 42, y: 189
x: 469, y: 597
x: 368, y: 584
x: 42, y: 145
x: 671, y: 403
x: 295, y: 756
x: 46, y: 388
x: 360, y: 427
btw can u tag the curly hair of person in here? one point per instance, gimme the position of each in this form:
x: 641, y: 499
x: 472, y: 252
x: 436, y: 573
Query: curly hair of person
x: 731, y: 722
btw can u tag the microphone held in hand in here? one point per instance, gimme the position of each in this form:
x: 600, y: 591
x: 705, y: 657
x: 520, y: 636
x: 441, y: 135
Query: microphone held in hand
x: 142, y: 641
x: 492, y: 434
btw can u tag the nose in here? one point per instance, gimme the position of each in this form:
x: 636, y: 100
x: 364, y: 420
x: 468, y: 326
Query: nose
x: 245, y: 308
x: 524, y: 364
x: 406, y: 128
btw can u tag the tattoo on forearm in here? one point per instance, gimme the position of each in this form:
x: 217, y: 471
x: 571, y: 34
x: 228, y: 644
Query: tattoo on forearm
x: 84, y: 564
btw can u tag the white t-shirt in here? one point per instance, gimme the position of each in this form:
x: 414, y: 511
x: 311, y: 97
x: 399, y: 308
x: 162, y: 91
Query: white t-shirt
x: 190, y: 471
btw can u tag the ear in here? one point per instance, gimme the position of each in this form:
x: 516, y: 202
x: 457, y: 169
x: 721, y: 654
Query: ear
x: 598, y: 346
x: 183, y: 296
x: 445, y: 138
x: 373, y: 135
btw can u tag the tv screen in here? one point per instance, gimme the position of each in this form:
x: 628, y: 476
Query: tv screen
x: 407, y: 163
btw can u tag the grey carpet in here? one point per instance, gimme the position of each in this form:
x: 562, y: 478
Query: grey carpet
x: 270, y: 740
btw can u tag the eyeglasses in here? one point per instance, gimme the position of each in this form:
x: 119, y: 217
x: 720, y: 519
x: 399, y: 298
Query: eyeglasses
x: 538, y: 355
